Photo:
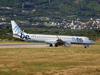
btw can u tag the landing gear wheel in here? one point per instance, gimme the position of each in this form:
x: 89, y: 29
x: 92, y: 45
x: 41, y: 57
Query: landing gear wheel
x: 56, y: 45
x: 85, y: 46
x: 50, y: 45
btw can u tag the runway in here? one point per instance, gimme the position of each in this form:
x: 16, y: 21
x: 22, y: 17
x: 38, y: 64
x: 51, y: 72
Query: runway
x: 22, y: 45
x: 38, y: 45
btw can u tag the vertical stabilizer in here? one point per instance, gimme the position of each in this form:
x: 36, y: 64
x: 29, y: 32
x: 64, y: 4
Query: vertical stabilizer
x: 15, y: 28
x: 17, y: 32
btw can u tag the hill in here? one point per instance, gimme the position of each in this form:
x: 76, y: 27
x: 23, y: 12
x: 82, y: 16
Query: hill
x: 85, y: 8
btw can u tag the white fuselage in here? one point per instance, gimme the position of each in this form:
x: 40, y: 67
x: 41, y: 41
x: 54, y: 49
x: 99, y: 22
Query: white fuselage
x: 52, y: 38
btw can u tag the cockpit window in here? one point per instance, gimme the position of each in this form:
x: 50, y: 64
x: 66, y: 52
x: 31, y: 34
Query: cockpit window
x: 89, y: 39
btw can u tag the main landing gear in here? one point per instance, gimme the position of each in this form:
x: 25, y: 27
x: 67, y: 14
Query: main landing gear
x: 51, y: 45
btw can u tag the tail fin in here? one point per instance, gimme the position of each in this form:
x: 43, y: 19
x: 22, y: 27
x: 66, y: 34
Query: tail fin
x: 17, y: 32
x: 15, y: 28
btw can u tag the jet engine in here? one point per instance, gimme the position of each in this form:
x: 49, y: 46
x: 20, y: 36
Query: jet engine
x: 67, y: 44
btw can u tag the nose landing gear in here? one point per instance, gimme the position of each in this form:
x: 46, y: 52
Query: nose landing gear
x: 85, y: 46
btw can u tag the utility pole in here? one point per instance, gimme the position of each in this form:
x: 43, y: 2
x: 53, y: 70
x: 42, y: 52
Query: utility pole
x: 49, y: 1
x: 22, y: 5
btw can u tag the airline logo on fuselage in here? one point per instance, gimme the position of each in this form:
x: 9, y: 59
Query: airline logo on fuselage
x: 77, y: 39
x: 24, y: 36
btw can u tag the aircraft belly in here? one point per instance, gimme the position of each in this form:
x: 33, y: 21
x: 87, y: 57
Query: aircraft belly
x: 81, y: 43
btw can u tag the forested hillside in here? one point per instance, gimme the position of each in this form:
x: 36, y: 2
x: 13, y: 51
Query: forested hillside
x: 50, y: 12
x: 71, y: 7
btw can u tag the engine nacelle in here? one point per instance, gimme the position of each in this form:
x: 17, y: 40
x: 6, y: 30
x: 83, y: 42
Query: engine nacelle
x: 67, y: 44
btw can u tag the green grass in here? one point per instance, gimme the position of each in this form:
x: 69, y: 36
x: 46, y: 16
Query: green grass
x: 97, y: 42
x: 75, y: 60
x: 50, y: 61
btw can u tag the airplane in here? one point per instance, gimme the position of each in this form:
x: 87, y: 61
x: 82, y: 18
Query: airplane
x: 52, y: 40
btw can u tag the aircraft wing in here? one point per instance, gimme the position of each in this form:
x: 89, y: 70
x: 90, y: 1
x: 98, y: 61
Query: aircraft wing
x: 54, y: 41
x: 49, y: 41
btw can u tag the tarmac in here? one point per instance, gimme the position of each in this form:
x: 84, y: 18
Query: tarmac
x: 24, y: 45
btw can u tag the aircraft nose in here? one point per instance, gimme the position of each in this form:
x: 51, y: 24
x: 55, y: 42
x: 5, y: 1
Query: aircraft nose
x: 93, y: 42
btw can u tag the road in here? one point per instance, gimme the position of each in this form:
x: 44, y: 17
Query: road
x: 24, y: 45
